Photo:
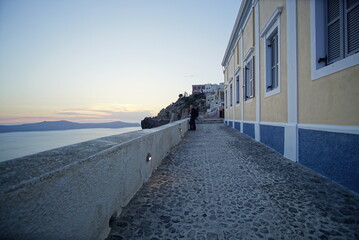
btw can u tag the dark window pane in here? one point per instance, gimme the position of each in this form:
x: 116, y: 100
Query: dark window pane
x: 333, y: 10
x: 350, y: 3
x: 353, y: 30
x: 334, y: 41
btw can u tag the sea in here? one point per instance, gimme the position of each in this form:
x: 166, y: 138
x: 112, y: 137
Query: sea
x: 19, y: 144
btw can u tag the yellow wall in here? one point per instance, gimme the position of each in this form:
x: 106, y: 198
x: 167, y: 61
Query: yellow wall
x: 225, y: 77
x: 266, y: 9
x: 249, y: 110
x: 333, y: 99
x: 274, y: 108
x: 229, y: 114
x: 248, y: 40
x: 231, y: 68
x: 238, y: 55
x: 237, y: 111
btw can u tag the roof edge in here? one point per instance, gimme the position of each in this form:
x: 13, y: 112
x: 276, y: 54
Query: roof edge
x: 235, y: 27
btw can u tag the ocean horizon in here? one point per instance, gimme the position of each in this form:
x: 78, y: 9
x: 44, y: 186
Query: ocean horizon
x: 19, y: 144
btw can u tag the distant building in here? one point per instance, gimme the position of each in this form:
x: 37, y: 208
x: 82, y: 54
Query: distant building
x: 214, y: 97
x: 291, y: 82
x: 196, y: 89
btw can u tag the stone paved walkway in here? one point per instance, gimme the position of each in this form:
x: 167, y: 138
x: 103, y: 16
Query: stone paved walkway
x: 220, y: 184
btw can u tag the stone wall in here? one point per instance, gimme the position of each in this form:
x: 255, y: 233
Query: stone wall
x: 72, y: 192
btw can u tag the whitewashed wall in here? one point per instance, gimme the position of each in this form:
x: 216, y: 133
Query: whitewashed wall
x: 72, y: 192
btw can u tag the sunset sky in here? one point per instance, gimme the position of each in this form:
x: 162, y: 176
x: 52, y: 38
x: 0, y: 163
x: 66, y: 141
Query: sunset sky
x: 108, y: 60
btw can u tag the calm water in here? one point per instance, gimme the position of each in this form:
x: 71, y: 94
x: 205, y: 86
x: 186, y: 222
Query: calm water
x: 19, y: 144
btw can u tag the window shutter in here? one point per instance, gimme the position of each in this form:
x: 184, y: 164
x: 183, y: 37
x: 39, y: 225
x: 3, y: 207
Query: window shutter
x: 334, y: 45
x: 245, y: 73
x: 237, y: 89
x: 248, y: 81
x: 269, y: 66
x: 231, y: 94
x: 226, y: 98
x: 252, y: 77
x: 352, y: 26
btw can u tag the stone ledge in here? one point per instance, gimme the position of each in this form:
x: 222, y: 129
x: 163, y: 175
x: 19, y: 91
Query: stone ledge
x: 82, y: 184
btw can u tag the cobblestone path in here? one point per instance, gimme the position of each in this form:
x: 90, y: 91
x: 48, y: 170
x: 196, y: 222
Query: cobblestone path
x: 220, y: 184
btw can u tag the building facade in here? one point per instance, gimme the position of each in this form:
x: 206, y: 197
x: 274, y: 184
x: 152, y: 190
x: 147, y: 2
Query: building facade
x: 196, y: 89
x: 291, y: 81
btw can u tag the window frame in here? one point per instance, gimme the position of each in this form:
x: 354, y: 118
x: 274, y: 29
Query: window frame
x: 249, y: 79
x: 231, y: 93
x: 226, y: 97
x: 318, y: 38
x: 271, y: 29
x: 238, y: 90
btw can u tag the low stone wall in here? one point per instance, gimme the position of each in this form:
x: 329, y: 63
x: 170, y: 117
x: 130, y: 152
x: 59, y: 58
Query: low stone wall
x: 72, y: 192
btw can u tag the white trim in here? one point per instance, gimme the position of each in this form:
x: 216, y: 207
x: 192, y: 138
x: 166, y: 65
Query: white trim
x: 335, y: 67
x: 271, y: 20
x: 272, y: 92
x: 292, y: 68
x: 257, y: 91
x: 234, y: 86
x: 237, y: 71
x: 242, y: 83
x: 248, y: 54
x: 247, y: 18
x: 317, y: 38
x: 276, y: 124
x: 275, y: 25
x: 251, y: 122
x: 331, y: 128
x: 249, y: 100
x: 291, y: 142
x: 291, y: 131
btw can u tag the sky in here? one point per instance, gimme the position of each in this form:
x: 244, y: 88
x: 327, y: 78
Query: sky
x: 107, y: 60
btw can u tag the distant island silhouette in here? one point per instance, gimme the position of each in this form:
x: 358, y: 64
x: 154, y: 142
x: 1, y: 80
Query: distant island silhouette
x: 62, y: 125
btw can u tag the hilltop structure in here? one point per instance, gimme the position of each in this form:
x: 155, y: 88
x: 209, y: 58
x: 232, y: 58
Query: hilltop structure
x: 290, y: 76
x: 196, y: 89
x: 176, y: 111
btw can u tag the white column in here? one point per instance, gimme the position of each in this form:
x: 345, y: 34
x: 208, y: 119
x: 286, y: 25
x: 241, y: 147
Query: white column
x: 242, y: 82
x: 257, y: 72
x: 291, y: 130
x: 233, y: 88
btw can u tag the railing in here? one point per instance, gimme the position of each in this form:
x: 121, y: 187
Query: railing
x: 73, y: 191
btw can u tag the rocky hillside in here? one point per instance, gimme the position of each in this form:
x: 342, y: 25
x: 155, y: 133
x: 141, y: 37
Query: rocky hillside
x: 177, y: 110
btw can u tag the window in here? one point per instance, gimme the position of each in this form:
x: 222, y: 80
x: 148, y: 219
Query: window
x: 249, y: 80
x: 342, y: 21
x: 237, y: 89
x: 272, y: 62
x: 231, y: 94
x: 271, y: 35
x: 334, y: 38
x: 226, y: 98
x: 237, y: 48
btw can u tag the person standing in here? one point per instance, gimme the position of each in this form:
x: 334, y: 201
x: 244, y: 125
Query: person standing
x: 194, y: 114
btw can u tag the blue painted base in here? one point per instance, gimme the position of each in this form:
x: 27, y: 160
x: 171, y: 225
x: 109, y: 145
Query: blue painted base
x: 334, y: 155
x: 248, y: 128
x: 273, y: 137
x: 237, y: 126
x: 230, y: 123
